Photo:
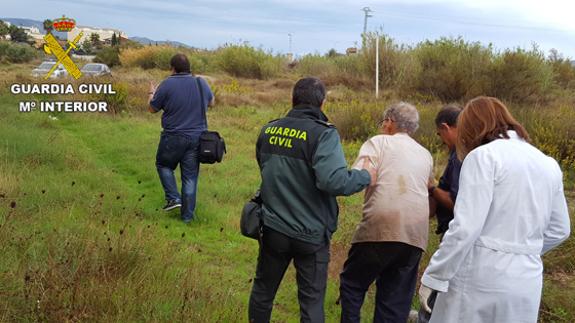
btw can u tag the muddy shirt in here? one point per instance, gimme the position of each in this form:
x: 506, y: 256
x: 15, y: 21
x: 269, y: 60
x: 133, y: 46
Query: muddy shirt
x: 397, y: 207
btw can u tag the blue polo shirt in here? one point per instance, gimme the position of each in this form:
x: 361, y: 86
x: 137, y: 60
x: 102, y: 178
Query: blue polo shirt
x: 179, y: 97
x: 449, y: 182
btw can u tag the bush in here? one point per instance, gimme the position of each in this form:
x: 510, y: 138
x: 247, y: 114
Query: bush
x: 109, y: 56
x: 246, y: 61
x: 16, y: 52
x: 521, y: 76
x: 334, y: 69
x: 563, y: 70
x: 116, y: 102
x: 316, y: 66
x: 550, y: 130
x: 396, y: 69
x: 355, y: 120
x: 202, y: 62
x: 452, y: 69
x: 148, y: 57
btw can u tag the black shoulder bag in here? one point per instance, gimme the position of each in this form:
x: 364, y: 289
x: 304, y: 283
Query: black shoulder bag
x: 212, y: 145
x: 251, y: 219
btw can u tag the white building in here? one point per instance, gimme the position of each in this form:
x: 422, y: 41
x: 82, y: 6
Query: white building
x: 33, y: 32
x: 104, y: 33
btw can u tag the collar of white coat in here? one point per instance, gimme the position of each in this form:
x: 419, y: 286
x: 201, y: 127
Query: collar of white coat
x: 513, y: 134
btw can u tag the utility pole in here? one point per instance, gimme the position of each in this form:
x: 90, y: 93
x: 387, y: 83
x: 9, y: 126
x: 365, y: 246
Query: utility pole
x: 377, y: 67
x: 290, y: 54
x: 367, y: 12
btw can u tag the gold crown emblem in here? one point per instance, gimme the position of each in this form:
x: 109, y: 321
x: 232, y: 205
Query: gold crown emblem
x: 64, y: 24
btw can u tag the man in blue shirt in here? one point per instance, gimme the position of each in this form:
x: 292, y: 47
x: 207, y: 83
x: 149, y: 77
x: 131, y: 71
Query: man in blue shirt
x: 184, y: 99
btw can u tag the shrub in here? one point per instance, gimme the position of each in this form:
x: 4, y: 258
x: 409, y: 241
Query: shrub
x: 563, y: 70
x: 117, y: 102
x: 356, y: 119
x: 16, y: 52
x: 521, y: 76
x: 550, y: 130
x: 109, y: 56
x: 246, y: 61
x: 334, y: 69
x: 452, y: 69
x: 148, y: 57
x: 395, y: 65
x: 316, y: 66
x: 202, y: 62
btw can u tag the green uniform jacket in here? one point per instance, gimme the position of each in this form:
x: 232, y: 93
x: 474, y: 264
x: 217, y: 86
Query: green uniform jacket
x: 303, y: 169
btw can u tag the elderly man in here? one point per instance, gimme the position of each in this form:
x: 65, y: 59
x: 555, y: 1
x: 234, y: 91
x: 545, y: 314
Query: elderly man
x: 392, y: 234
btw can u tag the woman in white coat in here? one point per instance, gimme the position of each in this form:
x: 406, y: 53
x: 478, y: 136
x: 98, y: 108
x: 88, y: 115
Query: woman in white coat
x: 510, y: 210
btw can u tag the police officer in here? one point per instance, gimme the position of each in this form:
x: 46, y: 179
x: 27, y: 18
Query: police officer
x: 303, y: 169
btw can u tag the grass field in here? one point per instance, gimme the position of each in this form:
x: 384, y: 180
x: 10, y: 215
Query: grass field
x: 83, y: 238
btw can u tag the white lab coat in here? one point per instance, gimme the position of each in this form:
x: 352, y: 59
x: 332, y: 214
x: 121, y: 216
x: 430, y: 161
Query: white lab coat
x: 510, y: 209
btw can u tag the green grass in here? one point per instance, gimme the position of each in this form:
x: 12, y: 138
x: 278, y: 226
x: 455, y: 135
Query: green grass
x: 85, y: 240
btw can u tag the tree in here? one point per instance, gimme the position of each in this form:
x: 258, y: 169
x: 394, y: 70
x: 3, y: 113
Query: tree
x: 87, y: 46
x: 18, y: 35
x: 109, y: 56
x: 95, y: 39
x: 332, y: 53
x: 48, y: 26
x: 114, y: 40
x: 4, y: 29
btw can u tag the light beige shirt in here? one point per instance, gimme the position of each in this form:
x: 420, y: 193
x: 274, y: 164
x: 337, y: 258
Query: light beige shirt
x: 396, y: 208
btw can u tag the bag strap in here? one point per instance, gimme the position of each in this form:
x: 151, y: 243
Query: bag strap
x: 204, y: 108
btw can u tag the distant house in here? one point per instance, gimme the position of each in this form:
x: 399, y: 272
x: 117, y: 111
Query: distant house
x: 351, y: 51
x: 34, y: 34
x: 32, y: 31
x: 104, y: 33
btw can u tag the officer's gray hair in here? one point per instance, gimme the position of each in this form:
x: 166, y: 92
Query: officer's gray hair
x: 404, y: 115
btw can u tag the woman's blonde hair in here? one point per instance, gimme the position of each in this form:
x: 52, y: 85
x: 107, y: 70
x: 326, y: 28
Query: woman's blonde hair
x: 483, y: 120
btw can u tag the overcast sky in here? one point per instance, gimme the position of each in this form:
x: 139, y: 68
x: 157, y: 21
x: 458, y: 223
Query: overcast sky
x: 318, y: 25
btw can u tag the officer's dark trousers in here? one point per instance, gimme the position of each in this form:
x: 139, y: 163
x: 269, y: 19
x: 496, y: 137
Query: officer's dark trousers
x: 276, y: 252
x: 393, y: 266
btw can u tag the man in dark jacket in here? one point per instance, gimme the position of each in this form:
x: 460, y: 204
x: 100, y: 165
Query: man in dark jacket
x: 303, y: 169
x: 446, y: 192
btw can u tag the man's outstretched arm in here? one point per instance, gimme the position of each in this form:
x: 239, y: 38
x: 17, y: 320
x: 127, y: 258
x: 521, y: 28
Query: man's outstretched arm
x: 330, y: 167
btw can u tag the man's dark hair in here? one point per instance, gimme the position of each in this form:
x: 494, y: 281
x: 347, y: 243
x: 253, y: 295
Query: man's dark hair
x: 180, y: 63
x: 308, y: 91
x: 448, y: 114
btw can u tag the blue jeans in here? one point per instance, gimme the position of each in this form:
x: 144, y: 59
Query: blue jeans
x: 177, y: 149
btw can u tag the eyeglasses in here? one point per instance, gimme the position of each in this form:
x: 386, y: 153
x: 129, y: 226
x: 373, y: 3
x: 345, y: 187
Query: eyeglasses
x: 384, y: 120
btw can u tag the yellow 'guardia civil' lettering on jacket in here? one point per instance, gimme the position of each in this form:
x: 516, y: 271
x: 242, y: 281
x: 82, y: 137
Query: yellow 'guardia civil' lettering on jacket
x: 287, y: 132
x: 282, y: 136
